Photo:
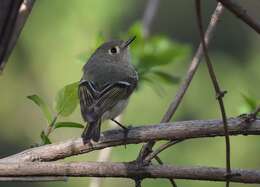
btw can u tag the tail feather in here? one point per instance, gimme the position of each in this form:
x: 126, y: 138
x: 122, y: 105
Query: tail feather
x: 92, y: 132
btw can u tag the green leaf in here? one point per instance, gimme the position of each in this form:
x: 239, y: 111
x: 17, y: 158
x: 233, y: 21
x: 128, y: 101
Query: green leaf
x: 67, y: 99
x: 250, y: 102
x: 45, y: 138
x: 166, y: 77
x: 43, y: 106
x: 136, y: 30
x: 68, y: 124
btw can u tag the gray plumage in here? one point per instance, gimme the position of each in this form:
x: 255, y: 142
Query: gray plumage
x: 107, y: 82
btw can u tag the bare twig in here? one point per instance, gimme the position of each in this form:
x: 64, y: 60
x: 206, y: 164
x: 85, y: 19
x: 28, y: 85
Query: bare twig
x: 242, y: 14
x: 149, y: 14
x: 125, y: 170
x: 161, y: 163
x: 138, y: 182
x: 153, y: 155
x: 219, y: 93
x: 165, y: 131
x: 146, y: 149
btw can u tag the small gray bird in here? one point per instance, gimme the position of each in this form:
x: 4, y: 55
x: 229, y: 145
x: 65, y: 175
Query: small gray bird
x: 107, y: 82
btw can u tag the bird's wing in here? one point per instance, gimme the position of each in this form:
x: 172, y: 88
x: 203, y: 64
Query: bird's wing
x: 87, y: 97
x: 95, y: 103
x: 112, y: 94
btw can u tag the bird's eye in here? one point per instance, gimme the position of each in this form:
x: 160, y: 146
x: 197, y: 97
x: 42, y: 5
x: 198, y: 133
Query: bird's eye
x: 114, y: 50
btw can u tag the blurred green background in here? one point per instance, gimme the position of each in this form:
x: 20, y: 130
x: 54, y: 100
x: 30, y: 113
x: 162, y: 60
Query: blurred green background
x: 58, y: 32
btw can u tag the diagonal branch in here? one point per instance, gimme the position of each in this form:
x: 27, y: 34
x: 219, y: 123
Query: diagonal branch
x: 165, y: 131
x: 241, y: 13
x: 146, y: 149
x: 149, y: 13
x: 124, y: 170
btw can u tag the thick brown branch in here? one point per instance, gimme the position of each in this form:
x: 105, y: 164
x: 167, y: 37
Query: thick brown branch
x: 124, y: 170
x: 165, y: 131
x: 242, y: 14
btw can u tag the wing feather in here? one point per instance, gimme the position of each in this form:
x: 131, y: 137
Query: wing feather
x: 95, y: 103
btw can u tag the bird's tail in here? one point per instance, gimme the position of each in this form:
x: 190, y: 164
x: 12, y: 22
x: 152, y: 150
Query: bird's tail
x: 92, y: 131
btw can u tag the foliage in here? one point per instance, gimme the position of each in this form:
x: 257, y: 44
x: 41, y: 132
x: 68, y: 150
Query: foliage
x: 43, y: 106
x: 250, y: 104
x: 65, y: 103
x: 67, y: 99
x: 149, y: 55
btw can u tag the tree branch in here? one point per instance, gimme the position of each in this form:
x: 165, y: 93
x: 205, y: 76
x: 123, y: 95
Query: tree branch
x: 165, y: 131
x: 149, y: 14
x: 186, y: 82
x: 219, y: 93
x: 125, y: 170
x: 33, y: 179
x: 15, y: 19
x: 242, y: 14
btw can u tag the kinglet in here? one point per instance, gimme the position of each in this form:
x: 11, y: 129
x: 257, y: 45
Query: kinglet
x: 108, y: 81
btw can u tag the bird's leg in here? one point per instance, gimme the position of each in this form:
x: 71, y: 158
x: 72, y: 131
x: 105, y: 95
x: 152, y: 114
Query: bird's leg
x: 123, y: 127
x: 120, y: 125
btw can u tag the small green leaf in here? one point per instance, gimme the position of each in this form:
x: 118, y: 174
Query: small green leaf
x: 45, y: 138
x: 68, y: 124
x: 250, y: 102
x: 158, y: 51
x: 43, y: 106
x: 168, y: 78
x: 67, y: 99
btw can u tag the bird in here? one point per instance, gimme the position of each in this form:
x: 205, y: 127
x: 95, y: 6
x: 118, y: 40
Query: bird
x: 108, y: 81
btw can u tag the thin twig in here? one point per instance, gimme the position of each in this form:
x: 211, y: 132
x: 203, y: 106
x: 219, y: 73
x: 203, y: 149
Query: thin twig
x: 125, y: 170
x: 186, y: 82
x: 165, y: 131
x: 155, y: 153
x: 219, y: 93
x: 149, y: 14
x: 138, y: 182
x: 161, y: 163
x: 242, y: 14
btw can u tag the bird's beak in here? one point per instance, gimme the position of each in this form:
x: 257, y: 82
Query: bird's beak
x: 129, y: 41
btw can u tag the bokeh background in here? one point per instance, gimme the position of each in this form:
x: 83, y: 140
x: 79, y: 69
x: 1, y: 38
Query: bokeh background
x: 58, y: 32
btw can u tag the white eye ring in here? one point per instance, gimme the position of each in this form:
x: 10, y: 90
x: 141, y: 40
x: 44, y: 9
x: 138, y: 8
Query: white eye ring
x: 114, y: 50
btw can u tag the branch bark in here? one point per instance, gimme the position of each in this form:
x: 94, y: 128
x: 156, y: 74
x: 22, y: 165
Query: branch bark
x: 165, y: 131
x: 149, y: 13
x: 14, y: 16
x: 242, y: 14
x: 34, y: 179
x: 124, y: 170
x: 219, y: 93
